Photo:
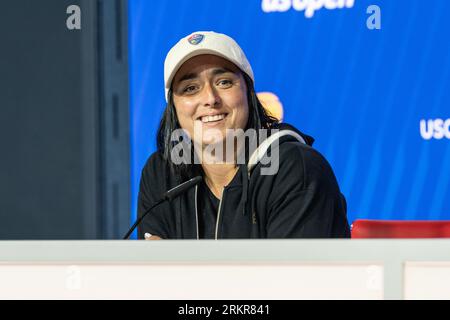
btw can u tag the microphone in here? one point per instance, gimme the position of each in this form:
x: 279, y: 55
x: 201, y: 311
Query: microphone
x: 176, y: 191
x: 167, y: 196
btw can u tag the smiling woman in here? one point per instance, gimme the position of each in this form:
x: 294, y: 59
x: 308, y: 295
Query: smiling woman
x: 211, y: 98
x: 211, y: 92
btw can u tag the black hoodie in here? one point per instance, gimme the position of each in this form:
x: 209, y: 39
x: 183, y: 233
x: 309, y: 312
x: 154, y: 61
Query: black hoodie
x: 302, y: 200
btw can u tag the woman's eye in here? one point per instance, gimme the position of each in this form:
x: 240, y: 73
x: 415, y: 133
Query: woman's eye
x: 225, y: 83
x: 189, y: 89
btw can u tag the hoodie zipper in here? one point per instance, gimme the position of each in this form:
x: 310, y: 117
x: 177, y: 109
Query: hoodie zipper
x: 218, y: 214
x: 196, y: 212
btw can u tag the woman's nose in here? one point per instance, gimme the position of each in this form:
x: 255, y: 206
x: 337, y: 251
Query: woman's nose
x: 210, y: 97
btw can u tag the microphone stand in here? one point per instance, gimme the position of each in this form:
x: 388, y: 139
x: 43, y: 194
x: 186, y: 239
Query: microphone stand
x: 169, y: 195
x: 142, y: 217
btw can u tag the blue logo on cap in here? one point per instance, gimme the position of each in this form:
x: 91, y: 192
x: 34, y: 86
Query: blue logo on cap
x: 196, y: 38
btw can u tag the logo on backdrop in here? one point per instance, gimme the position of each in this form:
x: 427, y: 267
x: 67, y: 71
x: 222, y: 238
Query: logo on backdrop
x: 308, y: 6
x: 435, y: 129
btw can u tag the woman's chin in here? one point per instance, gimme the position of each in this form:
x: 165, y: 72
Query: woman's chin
x: 212, y: 140
x: 213, y: 136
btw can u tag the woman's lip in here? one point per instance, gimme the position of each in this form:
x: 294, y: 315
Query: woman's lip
x: 211, y: 115
x: 212, y: 123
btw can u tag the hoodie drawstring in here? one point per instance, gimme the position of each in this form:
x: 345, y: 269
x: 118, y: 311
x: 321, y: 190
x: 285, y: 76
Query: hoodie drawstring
x: 245, y: 182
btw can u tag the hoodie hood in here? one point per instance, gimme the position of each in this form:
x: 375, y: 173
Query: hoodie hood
x: 285, y: 126
x: 285, y: 133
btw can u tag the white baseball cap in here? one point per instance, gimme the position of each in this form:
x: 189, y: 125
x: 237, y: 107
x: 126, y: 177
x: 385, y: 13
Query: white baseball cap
x: 203, y: 42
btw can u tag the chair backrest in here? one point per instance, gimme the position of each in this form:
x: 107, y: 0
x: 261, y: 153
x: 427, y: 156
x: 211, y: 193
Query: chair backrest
x: 363, y: 228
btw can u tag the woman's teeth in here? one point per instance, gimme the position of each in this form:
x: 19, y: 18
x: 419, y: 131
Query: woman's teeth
x: 217, y: 117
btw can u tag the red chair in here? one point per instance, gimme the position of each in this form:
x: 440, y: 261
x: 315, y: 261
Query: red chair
x: 363, y: 228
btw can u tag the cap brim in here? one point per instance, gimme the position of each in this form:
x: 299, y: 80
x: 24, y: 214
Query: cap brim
x: 192, y: 54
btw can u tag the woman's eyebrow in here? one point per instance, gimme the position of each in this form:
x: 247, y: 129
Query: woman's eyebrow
x: 188, y: 76
x: 219, y: 71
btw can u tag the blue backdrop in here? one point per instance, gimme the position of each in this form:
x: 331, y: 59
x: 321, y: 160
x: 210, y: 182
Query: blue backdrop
x: 361, y: 93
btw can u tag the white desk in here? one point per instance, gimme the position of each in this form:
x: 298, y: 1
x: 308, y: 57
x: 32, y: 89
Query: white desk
x: 226, y: 269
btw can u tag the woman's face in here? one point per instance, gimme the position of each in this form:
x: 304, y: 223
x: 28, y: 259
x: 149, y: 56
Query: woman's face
x: 210, y: 94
